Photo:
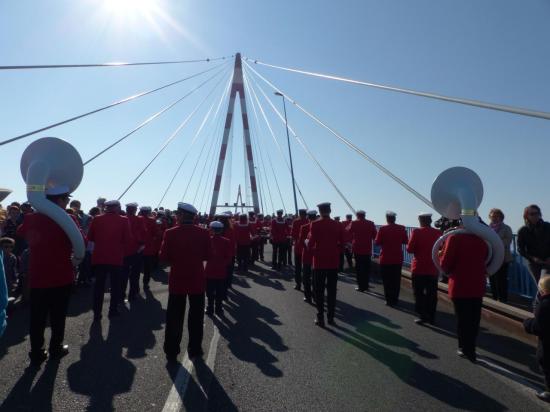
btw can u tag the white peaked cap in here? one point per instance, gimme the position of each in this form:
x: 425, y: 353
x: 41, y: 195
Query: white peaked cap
x: 312, y: 212
x: 324, y: 204
x: 425, y: 214
x: 112, y: 203
x: 390, y: 213
x: 57, y: 190
x: 361, y: 212
x: 216, y: 225
x: 133, y: 204
x: 186, y: 207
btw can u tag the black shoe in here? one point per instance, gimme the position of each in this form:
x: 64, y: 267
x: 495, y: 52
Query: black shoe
x: 460, y: 353
x: 219, y: 312
x: 195, y: 353
x: 113, y: 313
x: 320, y: 322
x: 97, y: 318
x: 297, y: 287
x: 209, y: 311
x: 419, y: 322
x: 146, y: 286
x: 359, y: 290
x: 330, y: 321
x: 58, y: 353
x: 544, y: 396
x: 308, y: 300
x: 38, y: 357
x: 171, y: 358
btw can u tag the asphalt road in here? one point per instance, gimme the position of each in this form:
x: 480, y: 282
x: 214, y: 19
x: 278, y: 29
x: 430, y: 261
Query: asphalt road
x: 267, y: 355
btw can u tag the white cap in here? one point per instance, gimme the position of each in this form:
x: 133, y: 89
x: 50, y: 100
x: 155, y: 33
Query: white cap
x: 227, y: 213
x: 186, y: 207
x: 425, y: 214
x: 390, y: 213
x: 145, y: 208
x: 161, y: 212
x: 133, y: 204
x: 112, y: 203
x: 312, y: 212
x: 216, y: 225
x: 361, y: 212
x: 324, y: 204
x: 57, y: 190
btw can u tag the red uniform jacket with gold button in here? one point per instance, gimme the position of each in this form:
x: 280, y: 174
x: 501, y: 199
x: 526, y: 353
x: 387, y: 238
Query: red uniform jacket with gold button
x: 300, y: 247
x: 111, y: 234
x: 279, y: 231
x: 139, y: 235
x: 50, y: 251
x: 463, y: 259
x: 220, y: 257
x: 362, y: 233
x: 326, y: 239
x: 151, y: 233
x: 229, y: 233
x: 185, y: 248
x: 391, y: 238
x: 421, y: 245
x: 295, y: 232
x: 243, y: 233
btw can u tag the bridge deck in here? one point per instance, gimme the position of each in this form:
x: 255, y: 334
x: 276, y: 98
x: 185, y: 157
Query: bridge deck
x: 266, y: 354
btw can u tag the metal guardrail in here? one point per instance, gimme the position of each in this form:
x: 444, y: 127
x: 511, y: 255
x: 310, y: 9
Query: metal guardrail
x: 520, y: 281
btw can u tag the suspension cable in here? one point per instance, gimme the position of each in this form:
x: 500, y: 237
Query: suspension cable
x: 253, y: 93
x: 125, y: 100
x: 311, y: 156
x: 210, y: 173
x: 346, y: 141
x: 111, y: 64
x: 151, y: 118
x: 468, y: 102
x: 199, y: 130
x: 169, y: 140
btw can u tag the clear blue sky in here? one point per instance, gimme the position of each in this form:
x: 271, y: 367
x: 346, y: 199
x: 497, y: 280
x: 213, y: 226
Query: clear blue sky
x: 492, y: 50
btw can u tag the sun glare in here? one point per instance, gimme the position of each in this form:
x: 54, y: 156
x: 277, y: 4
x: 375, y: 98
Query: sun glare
x: 125, y: 7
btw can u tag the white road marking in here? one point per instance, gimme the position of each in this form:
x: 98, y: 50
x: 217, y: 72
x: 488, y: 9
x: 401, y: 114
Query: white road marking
x: 174, y: 402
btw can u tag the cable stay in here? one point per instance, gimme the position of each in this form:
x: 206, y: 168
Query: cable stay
x: 469, y: 102
x: 346, y: 141
x: 169, y: 140
x: 254, y: 142
x: 151, y: 118
x: 311, y: 156
x: 199, y: 130
x: 125, y: 100
x: 109, y: 64
x: 272, y: 133
x: 210, y: 154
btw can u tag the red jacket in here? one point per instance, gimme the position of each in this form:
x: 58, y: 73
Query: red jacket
x: 243, y: 234
x: 307, y: 257
x: 279, y: 231
x: 421, y: 245
x: 463, y: 259
x: 230, y: 234
x: 50, y: 251
x: 186, y: 248
x: 151, y: 233
x: 362, y: 232
x: 220, y: 257
x: 110, y: 233
x: 391, y: 238
x: 139, y: 235
x: 295, y: 231
x: 326, y: 239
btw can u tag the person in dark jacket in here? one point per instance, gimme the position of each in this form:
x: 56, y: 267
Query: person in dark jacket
x: 534, y: 242
x: 540, y: 326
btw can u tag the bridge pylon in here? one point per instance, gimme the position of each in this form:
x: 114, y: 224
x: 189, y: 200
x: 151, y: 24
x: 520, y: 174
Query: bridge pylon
x: 237, y: 86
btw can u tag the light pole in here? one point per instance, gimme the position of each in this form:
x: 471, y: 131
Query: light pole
x: 289, y: 154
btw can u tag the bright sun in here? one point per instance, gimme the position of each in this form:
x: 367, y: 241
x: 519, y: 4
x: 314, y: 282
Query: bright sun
x: 131, y: 8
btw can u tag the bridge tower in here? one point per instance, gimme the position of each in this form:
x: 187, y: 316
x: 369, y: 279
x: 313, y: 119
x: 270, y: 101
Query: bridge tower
x: 237, y: 86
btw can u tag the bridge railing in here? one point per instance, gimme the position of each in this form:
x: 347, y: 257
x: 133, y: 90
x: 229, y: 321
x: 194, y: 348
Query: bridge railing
x: 520, y: 281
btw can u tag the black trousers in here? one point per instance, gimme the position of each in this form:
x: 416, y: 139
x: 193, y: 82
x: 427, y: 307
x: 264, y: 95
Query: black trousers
x: 325, y: 278
x: 175, y: 315
x: 289, y: 251
x: 131, y: 270
x: 44, y: 303
x: 85, y: 268
x: 215, y: 293
x: 101, y: 273
x: 229, y: 278
x: 425, y: 296
x: 362, y: 269
x: 307, y: 279
x: 349, y: 257
x: 148, y: 267
x: 298, y: 270
x: 341, y: 263
x: 278, y: 254
x: 391, y: 278
x: 499, y: 283
x: 261, y: 244
x: 468, y: 316
x: 243, y: 256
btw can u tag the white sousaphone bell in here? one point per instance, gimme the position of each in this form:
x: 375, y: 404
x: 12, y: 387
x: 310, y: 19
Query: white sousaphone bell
x: 456, y: 194
x: 50, y: 162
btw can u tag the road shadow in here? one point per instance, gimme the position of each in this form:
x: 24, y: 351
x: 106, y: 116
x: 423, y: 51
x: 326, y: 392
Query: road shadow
x: 265, y: 277
x: 446, y: 389
x: 252, y: 324
x: 102, y: 372
x: 354, y: 316
x: 161, y: 275
x: 16, y: 331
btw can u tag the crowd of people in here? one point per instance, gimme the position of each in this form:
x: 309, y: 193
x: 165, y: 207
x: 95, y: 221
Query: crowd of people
x: 203, y: 252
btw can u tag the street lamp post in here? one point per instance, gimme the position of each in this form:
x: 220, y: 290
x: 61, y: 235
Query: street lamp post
x: 289, y: 154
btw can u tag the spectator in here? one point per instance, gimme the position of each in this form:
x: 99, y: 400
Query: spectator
x: 10, y: 265
x: 499, y: 281
x: 10, y: 225
x: 540, y: 326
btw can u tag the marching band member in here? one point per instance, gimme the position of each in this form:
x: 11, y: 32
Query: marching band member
x: 362, y: 233
x: 149, y: 253
x: 133, y: 259
x: 295, y: 233
x: 348, y: 249
x: 216, y: 268
x: 243, y: 234
x: 424, y: 272
x: 185, y: 248
x: 326, y: 238
x: 229, y: 233
x: 288, y: 244
x: 391, y: 238
x: 306, y: 258
x: 278, y: 238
